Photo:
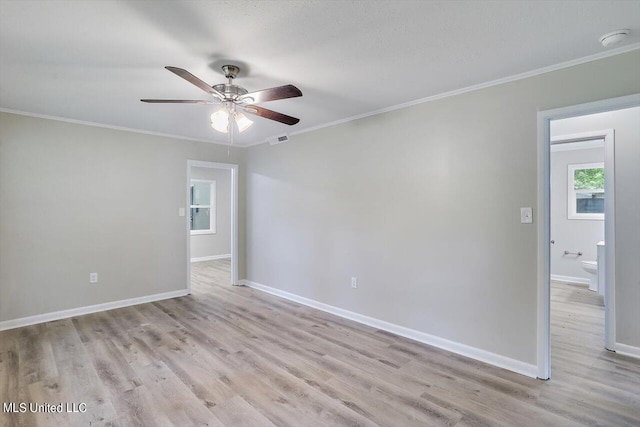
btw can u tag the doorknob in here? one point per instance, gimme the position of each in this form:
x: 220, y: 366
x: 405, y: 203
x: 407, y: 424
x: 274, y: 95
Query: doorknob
x: 553, y: 242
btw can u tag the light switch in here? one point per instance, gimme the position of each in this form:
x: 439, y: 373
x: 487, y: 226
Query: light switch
x: 181, y: 212
x: 526, y: 215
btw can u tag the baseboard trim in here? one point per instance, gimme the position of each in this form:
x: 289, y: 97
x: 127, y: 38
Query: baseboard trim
x: 570, y: 279
x: 628, y: 350
x: 210, y: 258
x: 64, y: 314
x: 452, y: 346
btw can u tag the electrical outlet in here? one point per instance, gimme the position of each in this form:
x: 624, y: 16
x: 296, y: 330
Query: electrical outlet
x: 93, y: 277
x: 354, y: 282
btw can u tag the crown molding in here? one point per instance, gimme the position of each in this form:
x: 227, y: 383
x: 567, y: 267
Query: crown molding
x: 515, y: 77
x: 105, y: 126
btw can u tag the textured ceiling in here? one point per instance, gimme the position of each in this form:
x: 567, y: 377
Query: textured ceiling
x: 94, y: 60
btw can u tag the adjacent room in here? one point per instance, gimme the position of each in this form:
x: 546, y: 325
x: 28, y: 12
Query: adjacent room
x: 588, y: 156
x: 210, y: 226
x: 319, y: 213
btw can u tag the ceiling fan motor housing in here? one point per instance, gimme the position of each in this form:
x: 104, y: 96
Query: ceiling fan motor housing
x: 230, y: 71
x: 230, y: 91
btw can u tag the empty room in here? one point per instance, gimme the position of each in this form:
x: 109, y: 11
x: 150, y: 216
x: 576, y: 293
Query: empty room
x: 319, y: 213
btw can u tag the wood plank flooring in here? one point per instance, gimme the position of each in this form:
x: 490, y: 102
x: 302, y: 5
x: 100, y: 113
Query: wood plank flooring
x: 234, y: 356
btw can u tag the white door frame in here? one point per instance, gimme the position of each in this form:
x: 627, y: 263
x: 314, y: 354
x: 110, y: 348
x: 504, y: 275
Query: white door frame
x: 234, y: 215
x: 544, y: 193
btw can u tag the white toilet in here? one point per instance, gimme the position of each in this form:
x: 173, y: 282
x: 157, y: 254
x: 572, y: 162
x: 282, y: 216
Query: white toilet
x: 592, y: 268
x: 596, y: 271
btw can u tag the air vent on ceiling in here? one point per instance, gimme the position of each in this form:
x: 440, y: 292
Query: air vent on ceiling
x: 278, y: 139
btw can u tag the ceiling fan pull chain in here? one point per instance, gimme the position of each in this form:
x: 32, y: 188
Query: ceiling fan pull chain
x: 232, y: 118
x: 229, y: 137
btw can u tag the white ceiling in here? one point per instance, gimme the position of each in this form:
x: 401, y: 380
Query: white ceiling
x: 93, y: 60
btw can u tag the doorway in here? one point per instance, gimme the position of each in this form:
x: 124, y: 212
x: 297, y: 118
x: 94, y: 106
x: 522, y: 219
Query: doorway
x: 212, y: 223
x: 546, y: 120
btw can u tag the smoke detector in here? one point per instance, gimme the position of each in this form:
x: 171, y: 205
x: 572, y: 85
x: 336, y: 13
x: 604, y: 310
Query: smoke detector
x: 614, y: 37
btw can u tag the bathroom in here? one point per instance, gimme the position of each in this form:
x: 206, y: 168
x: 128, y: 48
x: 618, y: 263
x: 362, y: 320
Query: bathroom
x: 590, y: 235
x: 577, y: 211
x: 593, y: 227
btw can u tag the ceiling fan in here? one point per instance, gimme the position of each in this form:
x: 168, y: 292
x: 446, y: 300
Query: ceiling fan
x: 235, y: 100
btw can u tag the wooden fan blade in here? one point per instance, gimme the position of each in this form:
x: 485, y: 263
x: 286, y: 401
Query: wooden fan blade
x: 176, y: 101
x: 280, y: 92
x: 195, y: 81
x: 271, y: 115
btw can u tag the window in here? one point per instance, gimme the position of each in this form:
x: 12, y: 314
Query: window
x: 586, y: 191
x: 203, y: 206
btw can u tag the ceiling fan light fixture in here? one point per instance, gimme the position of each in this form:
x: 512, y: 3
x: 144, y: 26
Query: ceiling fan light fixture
x: 243, y: 122
x: 220, y: 120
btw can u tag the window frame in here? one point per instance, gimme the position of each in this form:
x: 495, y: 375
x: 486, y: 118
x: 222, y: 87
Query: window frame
x: 212, y: 208
x: 572, y: 192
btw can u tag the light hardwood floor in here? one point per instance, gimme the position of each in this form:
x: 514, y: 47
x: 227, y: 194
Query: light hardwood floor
x: 233, y: 356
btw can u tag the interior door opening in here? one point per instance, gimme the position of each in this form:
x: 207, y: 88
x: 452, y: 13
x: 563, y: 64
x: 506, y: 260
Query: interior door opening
x: 580, y: 231
x: 211, y: 218
x: 577, y: 226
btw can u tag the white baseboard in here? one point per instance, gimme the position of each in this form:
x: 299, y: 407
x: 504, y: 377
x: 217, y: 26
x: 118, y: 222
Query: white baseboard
x: 210, y: 258
x: 64, y: 314
x: 452, y: 346
x: 628, y: 350
x: 570, y: 279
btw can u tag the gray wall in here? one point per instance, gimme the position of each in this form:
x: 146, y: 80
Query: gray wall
x: 573, y: 235
x: 422, y: 205
x: 219, y: 243
x: 76, y: 199
x: 626, y: 124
